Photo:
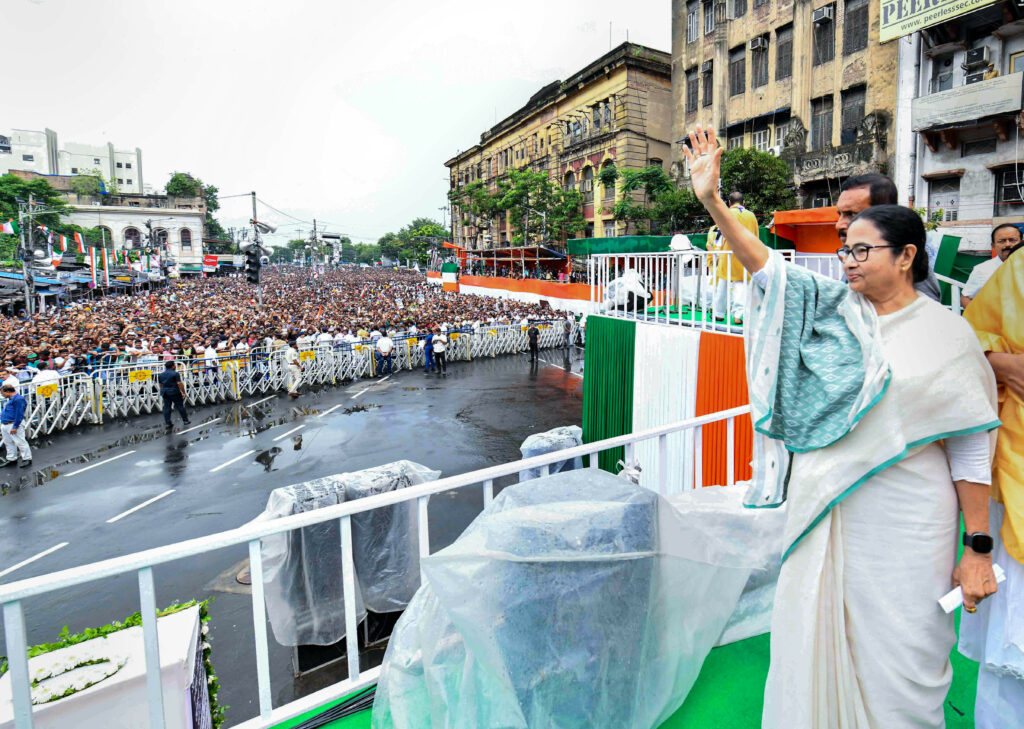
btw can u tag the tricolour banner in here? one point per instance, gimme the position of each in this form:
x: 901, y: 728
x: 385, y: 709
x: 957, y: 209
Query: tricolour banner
x: 80, y: 241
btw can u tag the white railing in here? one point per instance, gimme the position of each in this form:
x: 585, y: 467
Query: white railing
x: 143, y: 563
x: 956, y: 289
x: 126, y: 390
x: 683, y: 288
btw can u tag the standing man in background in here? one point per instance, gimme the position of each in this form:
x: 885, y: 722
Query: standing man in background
x: 729, y: 290
x: 294, y: 364
x: 172, y: 389
x: 533, y: 334
x: 440, y: 347
x: 12, y: 417
x: 428, y: 352
x: 1005, y: 238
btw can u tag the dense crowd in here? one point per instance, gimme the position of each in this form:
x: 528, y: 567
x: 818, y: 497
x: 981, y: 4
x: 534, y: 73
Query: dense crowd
x: 189, y: 317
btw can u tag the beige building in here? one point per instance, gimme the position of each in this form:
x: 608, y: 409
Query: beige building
x: 788, y: 78
x: 616, y: 111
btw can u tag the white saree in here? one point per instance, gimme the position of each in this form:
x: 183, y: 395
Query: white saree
x: 858, y: 640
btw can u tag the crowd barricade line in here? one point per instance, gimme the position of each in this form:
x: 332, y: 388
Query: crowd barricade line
x: 129, y: 389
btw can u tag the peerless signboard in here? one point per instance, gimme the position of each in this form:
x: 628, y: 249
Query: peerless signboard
x: 902, y: 17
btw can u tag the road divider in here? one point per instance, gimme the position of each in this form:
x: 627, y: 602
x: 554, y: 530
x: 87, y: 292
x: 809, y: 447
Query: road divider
x: 233, y: 460
x: 197, y: 427
x: 143, y: 505
x: 99, y: 463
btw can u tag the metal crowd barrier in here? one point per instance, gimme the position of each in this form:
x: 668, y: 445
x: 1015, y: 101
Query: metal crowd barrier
x: 127, y: 390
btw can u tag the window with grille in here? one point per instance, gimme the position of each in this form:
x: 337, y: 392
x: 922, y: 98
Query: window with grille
x: 739, y: 8
x: 709, y: 16
x: 735, y: 141
x: 1009, y: 191
x: 944, y: 195
x: 609, y: 230
x: 737, y: 71
x: 709, y: 88
x: 570, y: 181
x: 979, y: 146
x: 596, y: 116
x: 824, y: 36
x: 852, y: 115
x: 587, y: 183
x: 760, y: 3
x: 692, y: 21
x: 607, y: 113
x: 855, y: 26
x: 762, y: 139
x: 609, y: 189
x: 821, y: 122
x: 186, y: 238
x: 28, y: 158
x: 784, y: 52
x: 692, y: 91
x: 759, y: 65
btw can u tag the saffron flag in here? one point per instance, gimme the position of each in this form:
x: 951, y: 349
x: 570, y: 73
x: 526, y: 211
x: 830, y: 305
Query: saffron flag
x: 106, y: 268
x: 10, y: 227
x: 81, y: 242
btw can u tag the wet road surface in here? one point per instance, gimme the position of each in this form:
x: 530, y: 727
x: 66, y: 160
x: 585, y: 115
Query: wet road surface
x: 109, y: 490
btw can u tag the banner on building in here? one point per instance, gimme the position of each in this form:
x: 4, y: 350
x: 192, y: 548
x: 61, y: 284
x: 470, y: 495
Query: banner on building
x: 902, y: 17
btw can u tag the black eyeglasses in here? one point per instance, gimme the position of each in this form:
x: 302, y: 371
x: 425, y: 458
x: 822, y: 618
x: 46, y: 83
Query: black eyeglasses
x: 860, y: 251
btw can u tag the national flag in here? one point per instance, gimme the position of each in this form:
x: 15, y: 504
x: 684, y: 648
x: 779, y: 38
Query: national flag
x: 92, y: 263
x: 55, y: 259
x: 10, y: 227
x: 62, y: 241
x: 106, y: 268
x: 81, y: 242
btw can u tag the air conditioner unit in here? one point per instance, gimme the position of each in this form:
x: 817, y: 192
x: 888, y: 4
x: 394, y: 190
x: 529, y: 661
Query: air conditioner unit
x: 706, y: 67
x: 822, y: 15
x: 775, y: 151
x: 976, y: 57
x: 974, y: 78
x: 759, y: 44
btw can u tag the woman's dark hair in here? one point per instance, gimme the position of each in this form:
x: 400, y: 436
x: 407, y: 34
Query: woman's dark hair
x: 899, y: 227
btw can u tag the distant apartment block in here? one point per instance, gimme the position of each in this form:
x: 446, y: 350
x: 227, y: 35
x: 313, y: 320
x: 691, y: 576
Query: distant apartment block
x: 40, y: 152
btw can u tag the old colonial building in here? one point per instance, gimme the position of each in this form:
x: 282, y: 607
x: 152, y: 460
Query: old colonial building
x: 960, y: 129
x: 788, y: 77
x: 616, y: 111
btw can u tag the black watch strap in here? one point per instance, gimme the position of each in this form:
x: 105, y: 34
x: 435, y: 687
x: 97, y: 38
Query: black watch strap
x: 979, y: 542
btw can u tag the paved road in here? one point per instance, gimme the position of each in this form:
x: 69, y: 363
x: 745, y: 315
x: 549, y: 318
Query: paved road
x: 125, y: 486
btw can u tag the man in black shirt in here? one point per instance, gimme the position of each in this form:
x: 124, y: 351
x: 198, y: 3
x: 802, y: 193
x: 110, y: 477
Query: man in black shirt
x: 533, y: 333
x: 173, y: 391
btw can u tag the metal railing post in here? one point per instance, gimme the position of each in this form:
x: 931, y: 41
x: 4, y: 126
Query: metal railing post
x: 348, y: 585
x: 17, y: 663
x: 151, y: 638
x: 259, y: 622
x: 662, y: 464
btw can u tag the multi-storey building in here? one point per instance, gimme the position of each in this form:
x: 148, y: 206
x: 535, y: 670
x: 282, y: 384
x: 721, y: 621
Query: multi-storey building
x: 39, y: 151
x: 127, y: 220
x: 616, y: 111
x: 961, y: 124
x: 806, y: 80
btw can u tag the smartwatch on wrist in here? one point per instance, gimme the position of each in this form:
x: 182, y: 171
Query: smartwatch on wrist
x: 979, y: 542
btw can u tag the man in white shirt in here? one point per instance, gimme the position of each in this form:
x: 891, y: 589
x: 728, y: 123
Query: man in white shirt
x: 384, y: 349
x: 1004, y: 238
x: 440, y: 347
x: 294, y: 364
x: 9, y: 378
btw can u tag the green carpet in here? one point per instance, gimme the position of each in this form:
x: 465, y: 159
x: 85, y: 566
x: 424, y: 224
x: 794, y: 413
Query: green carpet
x: 729, y: 692
x: 687, y: 314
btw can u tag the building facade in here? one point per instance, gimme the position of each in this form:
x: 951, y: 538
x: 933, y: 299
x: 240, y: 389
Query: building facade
x: 616, y: 111
x: 40, y: 152
x: 126, y: 219
x: 961, y: 123
x: 806, y: 80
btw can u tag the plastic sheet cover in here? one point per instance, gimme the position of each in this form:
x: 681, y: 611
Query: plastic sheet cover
x: 573, y: 601
x: 302, y: 568
x: 556, y: 439
x: 720, y: 510
x: 619, y: 290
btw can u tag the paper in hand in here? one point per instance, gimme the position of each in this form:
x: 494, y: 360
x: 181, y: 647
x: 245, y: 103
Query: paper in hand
x: 955, y: 597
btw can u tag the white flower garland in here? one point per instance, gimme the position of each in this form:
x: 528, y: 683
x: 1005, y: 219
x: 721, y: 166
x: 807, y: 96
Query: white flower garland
x: 95, y: 665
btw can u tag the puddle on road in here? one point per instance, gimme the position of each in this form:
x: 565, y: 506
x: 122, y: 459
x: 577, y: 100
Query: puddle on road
x: 361, y: 408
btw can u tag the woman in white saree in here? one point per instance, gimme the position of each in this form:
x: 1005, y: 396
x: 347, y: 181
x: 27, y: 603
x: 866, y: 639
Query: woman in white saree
x: 874, y: 409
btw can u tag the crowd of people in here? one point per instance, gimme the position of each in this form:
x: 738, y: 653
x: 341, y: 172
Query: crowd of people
x: 204, y: 318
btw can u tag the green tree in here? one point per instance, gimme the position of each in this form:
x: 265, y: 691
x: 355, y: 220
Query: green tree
x: 183, y: 184
x: 367, y: 253
x: 347, y: 252
x: 48, y: 201
x: 765, y: 181
x: 476, y: 203
x: 92, y: 182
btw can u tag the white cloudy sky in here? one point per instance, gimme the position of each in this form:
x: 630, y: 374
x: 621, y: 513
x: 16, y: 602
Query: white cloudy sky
x: 340, y: 110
